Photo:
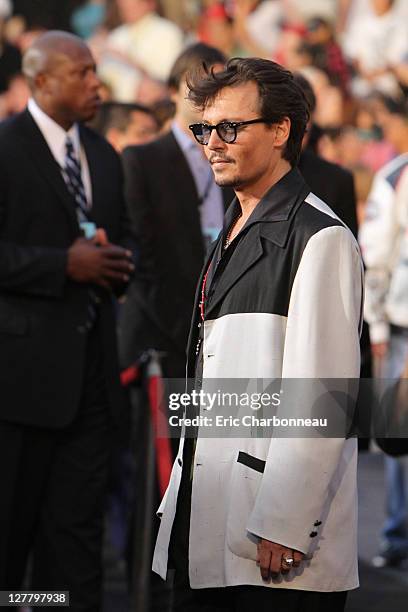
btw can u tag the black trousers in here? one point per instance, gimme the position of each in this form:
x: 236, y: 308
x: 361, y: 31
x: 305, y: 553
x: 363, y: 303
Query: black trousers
x: 231, y: 599
x: 53, y: 492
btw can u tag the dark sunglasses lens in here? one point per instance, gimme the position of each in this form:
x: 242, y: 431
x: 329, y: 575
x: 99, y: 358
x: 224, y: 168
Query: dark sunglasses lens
x: 201, y: 133
x: 227, y: 132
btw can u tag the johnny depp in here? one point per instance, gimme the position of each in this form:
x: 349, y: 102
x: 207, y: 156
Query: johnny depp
x: 266, y: 524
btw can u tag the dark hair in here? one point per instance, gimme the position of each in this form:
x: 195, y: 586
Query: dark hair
x: 280, y: 95
x: 117, y: 115
x: 194, y: 58
x: 307, y: 90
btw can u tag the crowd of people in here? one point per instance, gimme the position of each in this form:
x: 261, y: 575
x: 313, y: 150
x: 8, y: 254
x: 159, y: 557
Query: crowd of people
x: 162, y: 208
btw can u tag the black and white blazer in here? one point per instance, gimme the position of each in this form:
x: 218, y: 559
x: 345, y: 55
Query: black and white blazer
x: 288, y: 305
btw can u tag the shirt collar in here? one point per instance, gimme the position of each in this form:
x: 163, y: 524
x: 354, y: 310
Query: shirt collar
x: 54, y: 135
x: 275, y: 210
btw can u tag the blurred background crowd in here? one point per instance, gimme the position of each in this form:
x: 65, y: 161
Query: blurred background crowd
x: 349, y: 50
x: 353, y: 54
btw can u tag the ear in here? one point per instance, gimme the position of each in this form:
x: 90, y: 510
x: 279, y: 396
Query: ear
x: 174, y: 94
x: 40, y: 81
x: 282, y: 132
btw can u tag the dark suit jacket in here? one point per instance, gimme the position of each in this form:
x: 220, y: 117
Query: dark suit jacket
x: 163, y: 205
x: 332, y: 184
x: 42, y: 312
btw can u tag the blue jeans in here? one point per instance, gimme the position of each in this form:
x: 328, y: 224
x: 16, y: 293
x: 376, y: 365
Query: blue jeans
x: 395, y: 529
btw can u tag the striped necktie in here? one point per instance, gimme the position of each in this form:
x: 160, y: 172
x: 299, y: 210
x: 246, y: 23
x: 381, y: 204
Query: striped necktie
x: 73, y: 179
x: 75, y: 185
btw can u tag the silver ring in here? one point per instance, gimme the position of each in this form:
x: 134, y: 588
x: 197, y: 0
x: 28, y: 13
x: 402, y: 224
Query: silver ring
x: 288, y: 560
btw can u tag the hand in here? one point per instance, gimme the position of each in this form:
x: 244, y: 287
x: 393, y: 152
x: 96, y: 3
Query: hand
x: 102, y: 265
x: 271, y: 556
x: 379, y: 350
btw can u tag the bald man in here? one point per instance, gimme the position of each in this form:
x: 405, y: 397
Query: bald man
x: 64, y: 252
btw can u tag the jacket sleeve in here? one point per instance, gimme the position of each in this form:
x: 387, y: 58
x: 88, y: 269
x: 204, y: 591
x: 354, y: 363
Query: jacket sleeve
x: 378, y: 236
x: 322, y: 342
x: 30, y: 270
x: 33, y: 271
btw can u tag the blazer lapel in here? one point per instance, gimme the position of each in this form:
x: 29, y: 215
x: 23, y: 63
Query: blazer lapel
x: 271, y: 219
x: 47, y: 166
x: 246, y: 254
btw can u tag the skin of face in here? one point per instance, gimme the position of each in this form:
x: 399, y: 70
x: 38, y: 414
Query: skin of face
x: 68, y: 89
x: 252, y: 161
x: 133, y: 10
x: 381, y: 7
x: 142, y: 128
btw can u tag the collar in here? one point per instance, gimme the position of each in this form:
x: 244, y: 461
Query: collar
x: 275, y: 210
x: 54, y: 135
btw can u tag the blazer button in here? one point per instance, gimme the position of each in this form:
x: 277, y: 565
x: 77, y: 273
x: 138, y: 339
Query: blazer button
x: 317, y: 523
x: 313, y: 534
x: 179, y: 461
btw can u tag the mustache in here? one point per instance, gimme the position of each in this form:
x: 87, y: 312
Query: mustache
x: 217, y: 157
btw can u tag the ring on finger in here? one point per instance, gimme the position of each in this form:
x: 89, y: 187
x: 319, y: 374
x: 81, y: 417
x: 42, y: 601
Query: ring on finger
x: 288, y: 561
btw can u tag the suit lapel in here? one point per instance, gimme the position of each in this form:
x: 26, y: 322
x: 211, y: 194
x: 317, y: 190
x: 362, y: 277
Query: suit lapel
x: 47, y: 166
x: 246, y: 254
x: 271, y: 219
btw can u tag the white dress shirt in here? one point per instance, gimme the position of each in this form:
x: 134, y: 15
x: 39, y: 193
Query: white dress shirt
x: 56, y: 137
x: 209, y: 193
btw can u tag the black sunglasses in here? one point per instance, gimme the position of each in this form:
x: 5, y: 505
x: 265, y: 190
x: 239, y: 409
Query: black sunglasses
x: 226, y: 130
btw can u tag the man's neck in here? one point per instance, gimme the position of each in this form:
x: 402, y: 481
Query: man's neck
x: 62, y: 122
x: 250, y: 196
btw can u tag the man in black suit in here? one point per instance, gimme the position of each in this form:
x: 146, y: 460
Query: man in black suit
x: 58, y: 366
x: 177, y: 210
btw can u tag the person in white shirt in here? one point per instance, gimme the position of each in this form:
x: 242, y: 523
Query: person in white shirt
x: 143, y: 49
x: 376, y: 45
x: 384, y: 243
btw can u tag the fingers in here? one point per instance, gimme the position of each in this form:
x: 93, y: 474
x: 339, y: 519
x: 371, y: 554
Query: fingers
x: 286, y: 566
x: 264, y: 556
x: 276, y: 563
x: 274, y: 559
x: 297, y: 558
x: 116, y: 263
x: 116, y: 252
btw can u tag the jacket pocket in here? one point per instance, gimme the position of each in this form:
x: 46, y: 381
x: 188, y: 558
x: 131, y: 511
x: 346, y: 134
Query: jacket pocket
x: 247, y: 475
x: 252, y: 462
